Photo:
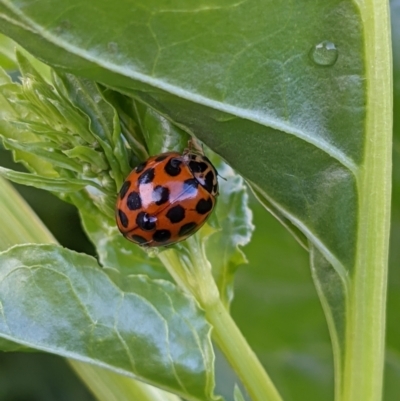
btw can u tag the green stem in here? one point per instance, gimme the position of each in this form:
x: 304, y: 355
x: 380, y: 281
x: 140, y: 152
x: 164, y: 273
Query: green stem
x: 365, y: 335
x: 243, y: 360
x: 194, y: 275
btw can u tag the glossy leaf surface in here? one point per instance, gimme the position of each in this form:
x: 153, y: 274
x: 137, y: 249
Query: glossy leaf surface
x: 248, y: 79
x: 147, y: 329
x: 304, y: 149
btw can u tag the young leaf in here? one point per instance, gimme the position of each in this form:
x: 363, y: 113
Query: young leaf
x: 49, y: 184
x: 104, y: 123
x: 159, y: 134
x: 50, y: 155
x: 147, y: 329
x: 235, y: 221
x: 89, y: 155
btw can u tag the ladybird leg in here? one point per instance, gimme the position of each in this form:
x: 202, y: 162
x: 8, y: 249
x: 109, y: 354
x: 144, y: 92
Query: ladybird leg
x: 138, y: 241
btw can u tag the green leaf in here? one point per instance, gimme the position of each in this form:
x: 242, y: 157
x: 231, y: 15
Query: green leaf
x: 333, y: 293
x: 10, y: 346
x: 104, y: 123
x: 85, y: 95
x: 46, y: 101
x: 19, y: 53
x: 50, y: 155
x: 88, y: 155
x: 113, y: 249
x: 7, y: 52
x: 11, y: 108
x: 106, y: 385
x: 147, y: 329
x: 20, y: 225
x: 223, y: 248
x: 159, y: 133
x: 308, y: 166
x: 238, y: 396
x: 311, y: 137
x: 128, y: 115
x: 43, y: 131
x: 47, y: 183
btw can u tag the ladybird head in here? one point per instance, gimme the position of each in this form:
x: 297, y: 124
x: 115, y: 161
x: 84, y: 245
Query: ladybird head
x: 204, y: 172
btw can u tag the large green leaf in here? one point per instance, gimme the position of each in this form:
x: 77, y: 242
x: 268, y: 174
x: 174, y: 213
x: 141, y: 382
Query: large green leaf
x: 299, y: 147
x: 146, y: 328
x: 7, y: 58
x: 294, y: 95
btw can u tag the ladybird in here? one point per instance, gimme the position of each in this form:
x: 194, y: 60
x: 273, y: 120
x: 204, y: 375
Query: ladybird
x: 167, y: 198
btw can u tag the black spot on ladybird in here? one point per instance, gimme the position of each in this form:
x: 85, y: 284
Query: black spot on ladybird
x: 209, y: 181
x: 145, y: 221
x: 190, y: 186
x: 124, y: 189
x: 187, y: 229
x: 123, y: 218
x: 197, y: 167
x: 176, y: 214
x: 140, y: 167
x: 161, y: 235
x: 160, y: 195
x: 134, y: 202
x: 138, y: 239
x: 147, y: 176
x: 172, y: 168
x: 204, y: 206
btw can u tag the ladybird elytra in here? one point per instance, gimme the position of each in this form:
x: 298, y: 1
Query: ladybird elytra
x: 167, y: 198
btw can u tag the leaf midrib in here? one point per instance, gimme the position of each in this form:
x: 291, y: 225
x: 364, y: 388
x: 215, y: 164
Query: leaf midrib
x: 254, y: 116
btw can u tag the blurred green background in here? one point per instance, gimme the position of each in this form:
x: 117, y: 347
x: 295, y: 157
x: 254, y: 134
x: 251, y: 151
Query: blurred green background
x: 275, y: 305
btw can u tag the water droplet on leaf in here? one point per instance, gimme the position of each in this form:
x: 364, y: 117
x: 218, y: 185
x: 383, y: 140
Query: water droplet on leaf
x: 324, y: 54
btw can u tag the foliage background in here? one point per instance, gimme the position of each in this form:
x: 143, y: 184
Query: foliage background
x: 275, y: 305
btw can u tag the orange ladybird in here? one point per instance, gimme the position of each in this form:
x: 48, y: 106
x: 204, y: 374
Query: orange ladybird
x: 167, y: 198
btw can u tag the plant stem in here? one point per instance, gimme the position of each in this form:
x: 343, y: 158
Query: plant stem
x: 243, y: 360
x: 365, y: 332
x: 194, y: 276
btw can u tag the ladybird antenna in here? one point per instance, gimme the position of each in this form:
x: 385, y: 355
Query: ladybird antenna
x: 219, y: 175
